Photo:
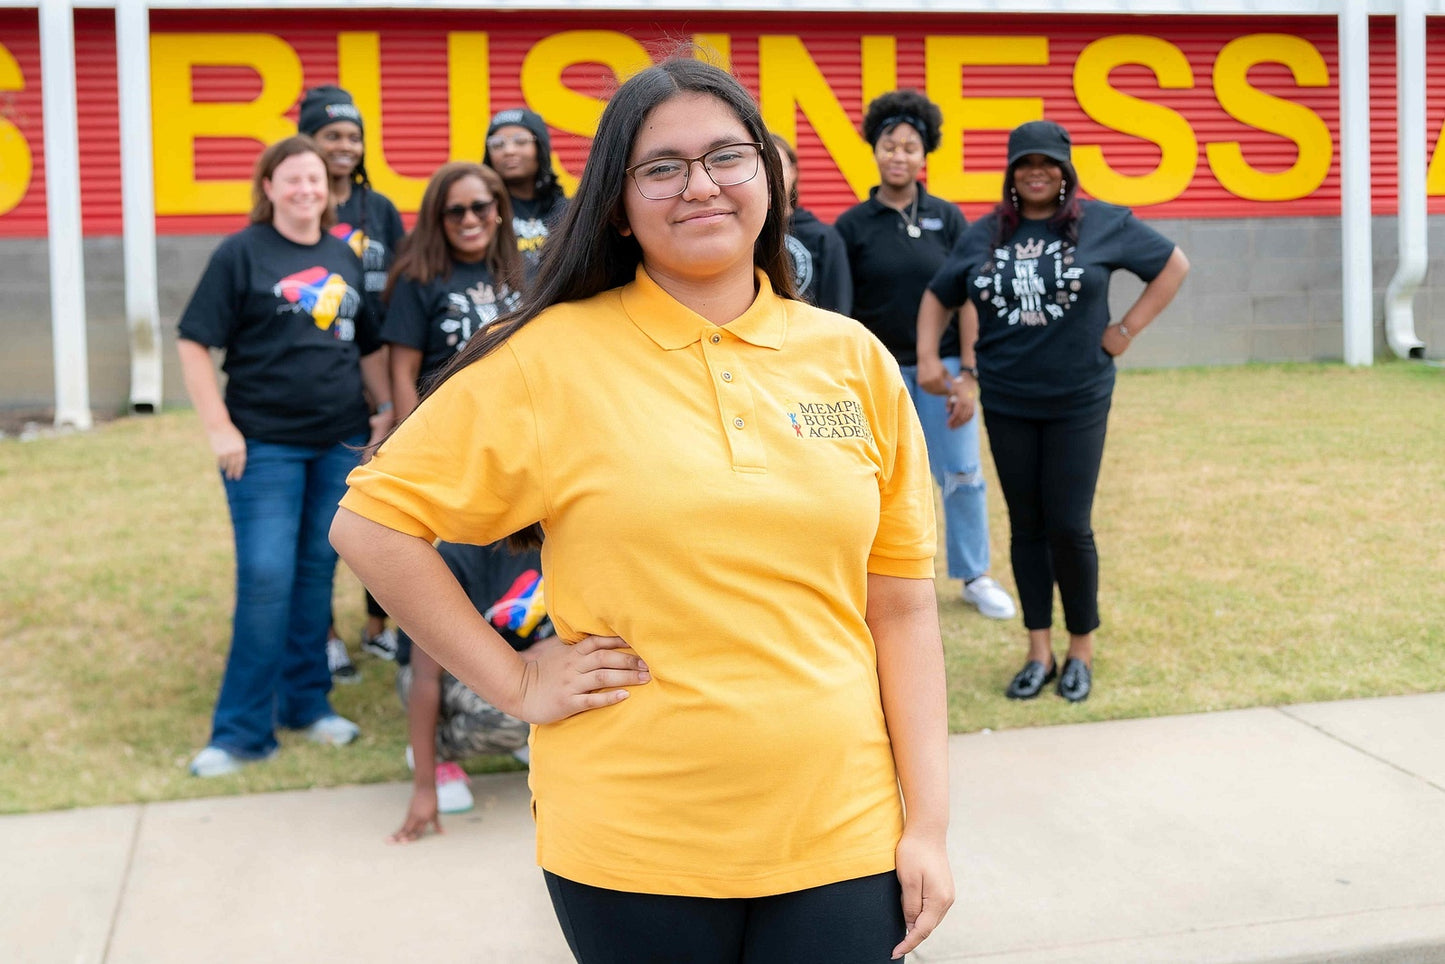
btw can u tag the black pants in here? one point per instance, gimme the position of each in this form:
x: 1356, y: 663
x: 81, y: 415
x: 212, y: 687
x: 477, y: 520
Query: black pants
x: 1048, y: 470
x: 851, y: 922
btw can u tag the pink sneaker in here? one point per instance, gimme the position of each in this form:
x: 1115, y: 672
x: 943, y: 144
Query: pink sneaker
x: 453, y: 794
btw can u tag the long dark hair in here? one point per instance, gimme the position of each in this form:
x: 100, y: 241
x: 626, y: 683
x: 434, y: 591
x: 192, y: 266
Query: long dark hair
x: 1065, y: 220
x: 425, y: 253
x: 588, y: 254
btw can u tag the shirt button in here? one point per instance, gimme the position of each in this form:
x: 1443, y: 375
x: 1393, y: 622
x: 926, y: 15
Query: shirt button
x: 715, y: 339
x: 737, y: 423
x: 727, y: 376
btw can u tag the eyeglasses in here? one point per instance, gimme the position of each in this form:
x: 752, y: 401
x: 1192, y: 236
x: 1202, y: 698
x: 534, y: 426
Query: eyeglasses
x: 457, y: 213
x: 499, y: 141
x: 666, y: 177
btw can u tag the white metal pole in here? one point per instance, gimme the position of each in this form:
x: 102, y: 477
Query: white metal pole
x: 1355, y: 245
x: 1411, y: 198
x: 62, y: 204
x: 142, y: 316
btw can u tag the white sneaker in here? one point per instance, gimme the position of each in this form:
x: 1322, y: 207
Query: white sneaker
x: 990, y: 598
x: 333, y: 730
x: 343, y: 670
x: 383, y: 645
x: 453, y: 794
x: 216, y: 762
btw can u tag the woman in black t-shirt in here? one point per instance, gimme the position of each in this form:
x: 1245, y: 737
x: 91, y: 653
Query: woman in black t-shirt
x: 519, y: 149
x: 371, y: 226
x: 282, y: 299
x: 458, y: 271
x: 1033, y: 282
x: 895, y: 241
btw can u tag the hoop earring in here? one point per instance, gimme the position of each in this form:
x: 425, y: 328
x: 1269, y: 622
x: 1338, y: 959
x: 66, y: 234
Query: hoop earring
x: 1063, y: 191
x: 1014, y: 197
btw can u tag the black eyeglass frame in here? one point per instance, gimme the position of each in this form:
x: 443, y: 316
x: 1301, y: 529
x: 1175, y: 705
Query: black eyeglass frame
x: 688, y: 162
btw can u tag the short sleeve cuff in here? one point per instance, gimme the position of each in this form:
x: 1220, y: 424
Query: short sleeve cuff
x: 383, y: 514
x: 902, y: 568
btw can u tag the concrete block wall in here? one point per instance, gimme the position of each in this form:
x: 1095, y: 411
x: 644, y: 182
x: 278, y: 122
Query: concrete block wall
x: 1261, y: 290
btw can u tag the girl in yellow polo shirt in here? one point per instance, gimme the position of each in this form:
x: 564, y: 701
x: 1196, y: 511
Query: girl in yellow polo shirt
x: 739, y: 521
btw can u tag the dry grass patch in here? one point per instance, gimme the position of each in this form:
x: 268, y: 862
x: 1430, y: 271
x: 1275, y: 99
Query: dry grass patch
x: 1268, y: 535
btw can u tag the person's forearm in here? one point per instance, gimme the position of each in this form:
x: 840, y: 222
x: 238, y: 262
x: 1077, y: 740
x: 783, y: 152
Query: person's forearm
x: 967, y: 335
x: 199, y: 376
x: 903, y: 617
x: 415, y: 587
x: 422, y: 705
x: 932, y: 320
x: 405, y: 366
x: 376, y: 378
x: 1157, y: 294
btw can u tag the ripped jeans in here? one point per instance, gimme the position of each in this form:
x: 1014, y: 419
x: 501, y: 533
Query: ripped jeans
x: 953, y: 457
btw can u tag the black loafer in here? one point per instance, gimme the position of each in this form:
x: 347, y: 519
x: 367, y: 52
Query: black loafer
x: 1031, y: 680
x: 1075, y: 681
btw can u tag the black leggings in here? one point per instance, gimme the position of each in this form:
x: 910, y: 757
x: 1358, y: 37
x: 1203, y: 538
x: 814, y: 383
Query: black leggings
x: 1048, y: 470
x: 851, y: 922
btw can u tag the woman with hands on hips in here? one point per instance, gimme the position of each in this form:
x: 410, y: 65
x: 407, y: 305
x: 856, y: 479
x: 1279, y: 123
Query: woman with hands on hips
x: 754, y: 669
x: 283, y: 300
x: 1032, y: 280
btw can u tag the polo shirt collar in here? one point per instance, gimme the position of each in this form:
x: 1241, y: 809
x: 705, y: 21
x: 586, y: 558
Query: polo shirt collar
x: 672, y: 325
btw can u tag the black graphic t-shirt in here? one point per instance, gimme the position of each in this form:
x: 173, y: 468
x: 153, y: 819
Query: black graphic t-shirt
x: 376, y: 245
x: 1043, y: 305
x: 533, y: 220
x: 891, y: 266
x: 293, y: 324
x: 440, y: 317
x: 820, y: 263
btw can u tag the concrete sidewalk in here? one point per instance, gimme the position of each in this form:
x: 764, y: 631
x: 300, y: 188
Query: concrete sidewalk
x: 1304, y: 834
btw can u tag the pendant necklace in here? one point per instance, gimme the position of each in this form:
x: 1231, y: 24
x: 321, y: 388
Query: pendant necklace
x: 910, y: 220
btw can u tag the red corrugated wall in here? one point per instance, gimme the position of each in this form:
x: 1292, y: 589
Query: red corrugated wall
x: 415, y: 108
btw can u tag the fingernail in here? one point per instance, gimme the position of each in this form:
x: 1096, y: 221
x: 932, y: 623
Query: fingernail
x: 644, y: 676
x: 641, y: 665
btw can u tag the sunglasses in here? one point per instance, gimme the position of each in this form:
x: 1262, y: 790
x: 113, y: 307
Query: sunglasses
x: 457, y: 213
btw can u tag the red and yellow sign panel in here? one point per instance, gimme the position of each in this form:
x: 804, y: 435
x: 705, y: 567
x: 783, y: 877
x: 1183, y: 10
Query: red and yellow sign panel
x: 1175, y: 116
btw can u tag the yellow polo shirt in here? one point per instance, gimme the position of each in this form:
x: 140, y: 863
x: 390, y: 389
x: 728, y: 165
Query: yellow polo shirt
x: 715, y: 496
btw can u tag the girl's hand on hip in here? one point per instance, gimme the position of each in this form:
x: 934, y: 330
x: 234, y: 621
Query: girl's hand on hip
x: 566, y: 680
x: 927, y: 887
x: 1115, y: 342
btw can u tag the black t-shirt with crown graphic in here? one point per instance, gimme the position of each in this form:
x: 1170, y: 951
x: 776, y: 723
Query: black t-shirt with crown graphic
x: 1043, y: 305
x: 293, y: 325
x: 439, y: 318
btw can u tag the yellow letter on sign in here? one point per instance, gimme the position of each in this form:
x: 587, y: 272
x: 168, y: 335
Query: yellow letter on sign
x: 789, y: 81
x: 15, y: 159
x: 1179, y: 149
x: 179, y: 120
x: 1273, y: 114
x: 945, y: 59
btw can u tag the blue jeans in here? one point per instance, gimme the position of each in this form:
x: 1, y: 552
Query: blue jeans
x: 281, y: 512
x: 953, y: 457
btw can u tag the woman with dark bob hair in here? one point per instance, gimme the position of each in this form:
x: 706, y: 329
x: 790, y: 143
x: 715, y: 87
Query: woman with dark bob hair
x: 896, y: 240
x: 739, y: 544
x: 283, y: 301
x: 1033, y: 282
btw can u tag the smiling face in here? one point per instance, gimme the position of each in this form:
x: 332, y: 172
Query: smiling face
x: 1037, y: 179
x: 706, y: 232
x: 512, y: 151
x: 342, y: 143
x: 469, y: 217
x: 299, y: 191
x: 899, y: 153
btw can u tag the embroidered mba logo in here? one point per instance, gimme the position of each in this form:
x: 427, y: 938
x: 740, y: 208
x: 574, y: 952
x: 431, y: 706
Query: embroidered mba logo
x: 837, y: 419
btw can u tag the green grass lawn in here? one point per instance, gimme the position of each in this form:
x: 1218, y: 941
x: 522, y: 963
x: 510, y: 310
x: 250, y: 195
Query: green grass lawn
x: 1267, y: 535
